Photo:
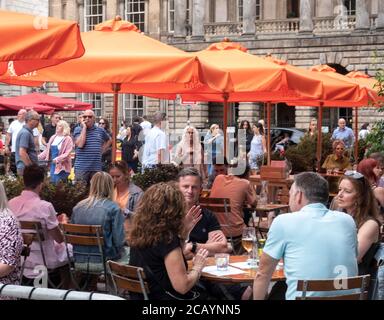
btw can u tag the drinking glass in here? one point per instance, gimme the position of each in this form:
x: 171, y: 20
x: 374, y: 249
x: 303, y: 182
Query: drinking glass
x: 248, y: 241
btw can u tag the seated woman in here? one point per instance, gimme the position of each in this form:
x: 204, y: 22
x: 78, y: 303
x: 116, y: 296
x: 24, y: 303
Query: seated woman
x: 337, y: 161
x: 157, y: 239
x: 356, y: 198
x: 99, y: 209
x: 11, y: 244
x: 126, y: 193
x: 371, y: 170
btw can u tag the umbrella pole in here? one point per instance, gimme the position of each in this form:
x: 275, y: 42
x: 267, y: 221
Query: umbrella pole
x: 319, y: 136
x: 116, y: 88
x: 225, y: 123
x: 268, y: 133
x: 356, y: 135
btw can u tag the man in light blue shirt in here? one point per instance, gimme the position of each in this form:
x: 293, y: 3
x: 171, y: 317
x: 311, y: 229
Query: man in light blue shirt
x: 344, y: 133
x: 314, y: 242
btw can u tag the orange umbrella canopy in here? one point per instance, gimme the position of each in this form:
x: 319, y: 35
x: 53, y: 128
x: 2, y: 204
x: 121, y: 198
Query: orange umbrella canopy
x: 117, y: 52
x: 32, y: 42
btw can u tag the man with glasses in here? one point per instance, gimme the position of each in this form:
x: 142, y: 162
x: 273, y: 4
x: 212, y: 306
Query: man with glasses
x: 25, y: 148
x: 91, y: 141
x: 337, y: 161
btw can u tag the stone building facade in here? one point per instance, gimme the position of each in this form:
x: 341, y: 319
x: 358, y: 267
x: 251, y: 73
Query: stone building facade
x: 345, y: 34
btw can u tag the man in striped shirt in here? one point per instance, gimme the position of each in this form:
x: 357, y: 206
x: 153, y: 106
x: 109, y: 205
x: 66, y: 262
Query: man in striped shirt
x: 90, y: 142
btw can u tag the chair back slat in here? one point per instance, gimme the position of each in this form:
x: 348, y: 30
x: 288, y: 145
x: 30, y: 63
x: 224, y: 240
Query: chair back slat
x: 81, y: 229
x: 354, y: 296
x: 33, y: 227
x: 338, y: 285
x: 214, y: 201
x: 126, y: 270
x: 129, y: 284
x: 329, y: 285
x: 83, y: 240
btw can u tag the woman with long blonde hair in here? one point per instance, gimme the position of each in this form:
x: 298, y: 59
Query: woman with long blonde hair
x: 100, y: 209
x: 189, y: 152
x: 158, y: 234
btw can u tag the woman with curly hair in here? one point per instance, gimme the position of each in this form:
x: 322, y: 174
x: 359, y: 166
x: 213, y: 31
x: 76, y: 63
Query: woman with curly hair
x: 160, y: 227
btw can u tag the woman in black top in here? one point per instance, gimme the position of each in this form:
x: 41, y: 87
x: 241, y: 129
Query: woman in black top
x: 249, y: 134
x: 356, y: 198
x: 160, y: 226
x: 130, y: 149
x: 106, y: 157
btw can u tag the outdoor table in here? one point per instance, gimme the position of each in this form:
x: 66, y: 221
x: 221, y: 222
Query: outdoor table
x: 246, y: 277
x: 262, y: 210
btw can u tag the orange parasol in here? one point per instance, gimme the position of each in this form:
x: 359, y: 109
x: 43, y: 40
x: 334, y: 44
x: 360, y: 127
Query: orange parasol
x: 120, y: 59
x: 33, y: 42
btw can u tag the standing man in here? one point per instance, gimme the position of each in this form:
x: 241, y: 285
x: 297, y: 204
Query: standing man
x: 344, y: 133
x: 156, y: 143
x: 315, y: 243
x: 25, y: 147
x: 91, y: 141
x: 50, y: 129
x: 10, y: 139
x: 145, y: 124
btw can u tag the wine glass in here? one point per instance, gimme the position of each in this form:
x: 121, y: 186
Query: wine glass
x: 248, y: 241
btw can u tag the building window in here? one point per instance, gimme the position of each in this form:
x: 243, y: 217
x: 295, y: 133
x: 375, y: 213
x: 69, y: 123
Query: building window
x: 240, y: 10
x: 96, y: 99
x: 93, y: 14
x: 293, y: 9
x: 171, y: 15
x: 133, y: 106
x: 351, y: 7
x: 135, y: 13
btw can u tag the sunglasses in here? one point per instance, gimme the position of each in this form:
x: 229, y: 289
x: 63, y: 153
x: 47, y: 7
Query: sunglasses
x: 354, y: 174
x: 102, y: 123
x: 87, y: 116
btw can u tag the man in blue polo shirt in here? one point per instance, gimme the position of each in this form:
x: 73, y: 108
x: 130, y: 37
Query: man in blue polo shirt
x: 342, y: 132
x: 314, y: 242
x: 90, y: 142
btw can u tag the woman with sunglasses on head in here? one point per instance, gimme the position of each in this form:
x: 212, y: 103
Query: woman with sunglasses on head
x: 372, y: 171
x: 106, y: 157
x: 337, y: 161
x: 356, y: 198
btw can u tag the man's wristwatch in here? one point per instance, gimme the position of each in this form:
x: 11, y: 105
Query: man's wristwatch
x: 194, y: 247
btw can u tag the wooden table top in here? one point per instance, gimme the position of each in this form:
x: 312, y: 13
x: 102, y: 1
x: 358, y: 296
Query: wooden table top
x: 247, y: 277
x: 271, y: 207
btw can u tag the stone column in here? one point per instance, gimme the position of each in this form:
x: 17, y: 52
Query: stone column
x: 198, y: 18
x: 249, y: 17
x: 180, y: 18
x: 250, y: 111
x: 362, y: 15
x: 80, y: 10
x: 306, y: 23
x: 380, y: 16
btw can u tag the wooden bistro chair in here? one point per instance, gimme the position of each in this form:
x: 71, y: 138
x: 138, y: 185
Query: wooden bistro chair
x: 128, y: 278
x: 359, y: 284
x: 34, y: 230
x: 222, y: 209
x: 91, y: 238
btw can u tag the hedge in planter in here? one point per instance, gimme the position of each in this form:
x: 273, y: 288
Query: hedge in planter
x: 161, y: 173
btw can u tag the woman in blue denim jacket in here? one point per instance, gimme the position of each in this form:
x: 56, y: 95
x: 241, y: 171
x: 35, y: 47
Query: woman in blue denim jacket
x: 99, y: 209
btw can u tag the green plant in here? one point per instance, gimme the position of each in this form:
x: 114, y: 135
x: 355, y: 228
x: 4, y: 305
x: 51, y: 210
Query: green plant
x: 161, y: 173
x: 63, y: 196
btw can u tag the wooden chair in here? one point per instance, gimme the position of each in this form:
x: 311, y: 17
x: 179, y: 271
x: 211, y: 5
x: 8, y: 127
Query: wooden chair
x: 360, y: 284
x: 34, y: 230
x: 25, y: 252
x: 90, y: 237
x: 222, y: 209
x: 128, y: 278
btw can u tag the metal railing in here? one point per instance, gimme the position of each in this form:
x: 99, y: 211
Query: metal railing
x: 33, y: 293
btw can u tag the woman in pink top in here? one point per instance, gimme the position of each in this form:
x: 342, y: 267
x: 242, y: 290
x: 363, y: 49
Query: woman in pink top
x: 59, y: 150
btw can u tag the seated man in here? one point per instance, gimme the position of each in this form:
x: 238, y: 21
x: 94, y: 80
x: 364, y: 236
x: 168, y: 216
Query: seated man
x: 314, y: 242
x: 218, y: 168
x: 206, y: 233
x: 28, y: 206
x: 337, y: 161
x: 240, y: 192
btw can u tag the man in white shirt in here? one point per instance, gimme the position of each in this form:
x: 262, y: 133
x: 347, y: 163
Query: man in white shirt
x: 156, y: 143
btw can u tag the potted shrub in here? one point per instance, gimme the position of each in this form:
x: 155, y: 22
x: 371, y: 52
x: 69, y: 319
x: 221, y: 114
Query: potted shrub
x: 161, y: 173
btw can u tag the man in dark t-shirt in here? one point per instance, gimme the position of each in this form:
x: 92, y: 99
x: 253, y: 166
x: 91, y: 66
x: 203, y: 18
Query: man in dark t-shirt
x: 206, y: 233
x: 50, y: 129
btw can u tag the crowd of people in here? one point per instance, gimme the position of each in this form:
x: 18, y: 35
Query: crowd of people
x: 163, y: 227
